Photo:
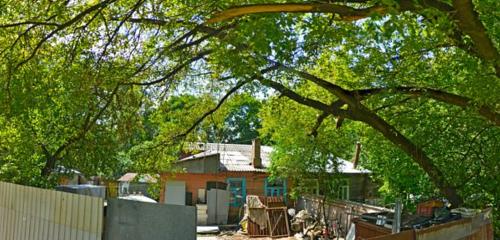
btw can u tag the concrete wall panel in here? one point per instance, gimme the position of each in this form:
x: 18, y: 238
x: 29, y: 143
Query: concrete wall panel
x: 143, y: 221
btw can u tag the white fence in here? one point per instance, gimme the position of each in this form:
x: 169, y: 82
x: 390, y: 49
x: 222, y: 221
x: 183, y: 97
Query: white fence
x: 33, y: 213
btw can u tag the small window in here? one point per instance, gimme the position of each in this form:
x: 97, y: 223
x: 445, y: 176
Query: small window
x: 237, y: 187
x: 343, y: 190
x: 312, y: 187
x: 275, y: 187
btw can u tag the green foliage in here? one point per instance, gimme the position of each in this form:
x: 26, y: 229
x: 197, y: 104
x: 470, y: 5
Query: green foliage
x: 113, y: 86
x: 298, y: 155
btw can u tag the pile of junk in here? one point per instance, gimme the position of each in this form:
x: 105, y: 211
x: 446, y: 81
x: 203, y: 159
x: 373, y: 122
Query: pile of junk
x: 270, y: 217
x: 306, y: 226
x: 432, y: 217
x: 428, y: 213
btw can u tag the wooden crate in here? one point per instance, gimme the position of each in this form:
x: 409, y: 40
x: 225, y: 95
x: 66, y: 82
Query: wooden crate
x: 426, y: 209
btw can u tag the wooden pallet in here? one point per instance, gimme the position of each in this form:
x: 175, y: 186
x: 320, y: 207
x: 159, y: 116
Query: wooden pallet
x: 277, y: 219
x: 254, y: 230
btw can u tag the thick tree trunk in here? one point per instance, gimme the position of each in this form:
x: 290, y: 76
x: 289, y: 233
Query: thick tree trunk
x: 359, y: 112
x: 49, y: 166
x: 469, y: 23
x: 462, y: 12
x: 464, y: 102
x: 50, y: 162
x: 414, y: 151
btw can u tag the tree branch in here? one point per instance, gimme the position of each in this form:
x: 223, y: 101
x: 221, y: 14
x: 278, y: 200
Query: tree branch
x: 87, y: 125
x: 336, y: 90
x: 469, y: 23
x: 223, y: 99
x: 174, y: 71
x: 211, y: 111
x: 161, y: 22
x: 335, y: 105
x: 359, y: 112
x: 346, y: 13
x: 319, y: 121
x: 439, y: 5
x: 62, y: 27
x: 117, y: 29
x: 304, y: 100
x: 437, y: 95
x: 36, y: 23
x: 462, y: 11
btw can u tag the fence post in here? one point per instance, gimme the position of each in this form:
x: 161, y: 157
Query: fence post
x: 396, y: 223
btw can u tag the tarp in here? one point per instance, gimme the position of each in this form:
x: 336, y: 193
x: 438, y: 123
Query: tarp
x: 139, y: 198
x: 257, y: 211
x: 207, y: 229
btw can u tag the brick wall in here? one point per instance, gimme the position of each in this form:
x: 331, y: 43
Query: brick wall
x: 194, y: 181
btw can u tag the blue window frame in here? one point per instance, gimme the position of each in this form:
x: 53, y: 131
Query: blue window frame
x: 275, y: 188
x: 238, y: 189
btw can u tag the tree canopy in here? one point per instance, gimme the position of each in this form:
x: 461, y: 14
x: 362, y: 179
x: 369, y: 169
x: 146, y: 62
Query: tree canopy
x: 418, y: 81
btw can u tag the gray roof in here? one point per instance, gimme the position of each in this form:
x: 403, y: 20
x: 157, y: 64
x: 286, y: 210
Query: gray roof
x: 348, y: 167
x: 144, y: 178
x: 237, y: 157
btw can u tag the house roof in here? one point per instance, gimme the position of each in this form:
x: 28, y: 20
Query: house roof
x: 348, y: 167
x: 237, y: 157
x: 232, y: 157
x: 129, y: 177
x: 63, y: 170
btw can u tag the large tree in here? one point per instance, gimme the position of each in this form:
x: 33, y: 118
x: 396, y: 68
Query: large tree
x: 390, y: 53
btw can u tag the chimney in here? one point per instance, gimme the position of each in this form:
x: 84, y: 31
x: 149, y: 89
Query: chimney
x: 256, y: 160
x: 355, y: 159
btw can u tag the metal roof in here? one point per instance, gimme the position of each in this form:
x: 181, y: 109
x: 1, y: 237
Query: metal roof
x: 129, y: 177
x: 348, y: 167
x: 237, y: 157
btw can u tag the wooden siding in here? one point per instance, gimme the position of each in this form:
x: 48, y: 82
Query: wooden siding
x: 34, y: 213
x: 361, y: 187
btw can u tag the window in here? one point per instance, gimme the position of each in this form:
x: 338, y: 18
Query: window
x: 342, y: 191
x: 275, y: 188
x: 237, y: 187
x: 310, y: 186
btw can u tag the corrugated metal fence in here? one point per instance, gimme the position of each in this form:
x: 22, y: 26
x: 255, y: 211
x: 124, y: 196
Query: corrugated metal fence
x: 33, y: 213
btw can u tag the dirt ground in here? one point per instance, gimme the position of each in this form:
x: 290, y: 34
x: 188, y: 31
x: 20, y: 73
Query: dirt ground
x: 240, y: 237
x: 235, y: 237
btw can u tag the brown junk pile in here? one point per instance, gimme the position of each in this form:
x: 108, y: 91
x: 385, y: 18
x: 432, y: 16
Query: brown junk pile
x: 267, y: 217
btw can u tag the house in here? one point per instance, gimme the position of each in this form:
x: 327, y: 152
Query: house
x: 241, y: 169
x: 68, y: 176
x: 84, y: 189
x: 134, y: 183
